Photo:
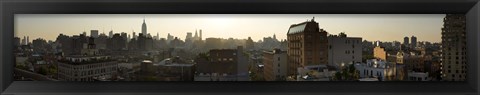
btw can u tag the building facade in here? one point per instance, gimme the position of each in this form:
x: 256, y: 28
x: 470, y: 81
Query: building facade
x: 223, y: 64
x: 275, y: 65
x: 343, y: 50
x: 85, y: 68
x: 307, y: 46
x: 454, y: 48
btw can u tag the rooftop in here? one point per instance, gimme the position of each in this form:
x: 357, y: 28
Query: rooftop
x: 80, y: 60
x: 173, y: 62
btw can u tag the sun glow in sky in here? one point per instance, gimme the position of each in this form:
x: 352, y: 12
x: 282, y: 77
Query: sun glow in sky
x: 383, y: 27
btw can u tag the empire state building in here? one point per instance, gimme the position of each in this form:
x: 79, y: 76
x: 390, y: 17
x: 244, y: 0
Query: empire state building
x: 144, y: 28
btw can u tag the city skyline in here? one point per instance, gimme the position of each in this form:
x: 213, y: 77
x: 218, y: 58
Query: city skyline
x: 386, y: 27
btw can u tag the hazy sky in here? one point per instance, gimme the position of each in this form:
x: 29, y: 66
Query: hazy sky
x: 383, y: 27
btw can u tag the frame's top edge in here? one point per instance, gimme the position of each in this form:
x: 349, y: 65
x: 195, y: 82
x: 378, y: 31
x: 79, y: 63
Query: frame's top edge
x: 254, y: 1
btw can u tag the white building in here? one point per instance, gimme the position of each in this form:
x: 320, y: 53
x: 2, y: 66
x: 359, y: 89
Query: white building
x: 85, y: 68
x: 315, y: 73
x: 375, y: 68
x: 344, y: 50
x: 418, y: 76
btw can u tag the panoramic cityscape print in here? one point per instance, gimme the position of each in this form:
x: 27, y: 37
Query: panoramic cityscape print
x: 240, y: 47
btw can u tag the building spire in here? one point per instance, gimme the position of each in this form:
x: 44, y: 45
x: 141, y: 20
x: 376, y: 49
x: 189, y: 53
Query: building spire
x: 313, y: 19
x: 143, y: 19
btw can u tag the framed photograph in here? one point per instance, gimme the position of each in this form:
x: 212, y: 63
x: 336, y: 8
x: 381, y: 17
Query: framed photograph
x: 240, y: 47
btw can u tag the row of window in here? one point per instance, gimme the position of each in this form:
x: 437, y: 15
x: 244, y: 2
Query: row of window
x: 352, y: 41
x: 85, y: 73
x: 457, y: 71
x: 89, y: 66
x: 225, y: 59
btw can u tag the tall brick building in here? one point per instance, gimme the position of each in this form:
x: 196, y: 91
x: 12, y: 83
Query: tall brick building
x: 307, y: 46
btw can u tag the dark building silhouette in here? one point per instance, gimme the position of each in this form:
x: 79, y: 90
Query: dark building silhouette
x: 249, y: 44
x: 116, y: 43
x: 213, y: 43
x: 16, y: 42
x: 39, y: 45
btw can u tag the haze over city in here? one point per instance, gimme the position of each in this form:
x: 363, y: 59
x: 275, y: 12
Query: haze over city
x: 372, y: 27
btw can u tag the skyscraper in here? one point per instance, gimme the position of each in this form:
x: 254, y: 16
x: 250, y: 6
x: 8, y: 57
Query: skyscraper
x: 110, y: 34
x: 200, y: 34
x: 274, y: 37
x: 134, y: 35
x: 196, y: 36
x: 307, y: 47
x: 24, y: 40
x: 405, y: 41
x: 414, y: 42
x: 144, y: 28
x: 94, y: 33
x: 454, y: 48
x: 27, y: 42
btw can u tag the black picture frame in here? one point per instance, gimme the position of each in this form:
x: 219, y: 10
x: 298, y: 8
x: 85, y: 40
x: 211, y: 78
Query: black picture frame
x: 11, y: 7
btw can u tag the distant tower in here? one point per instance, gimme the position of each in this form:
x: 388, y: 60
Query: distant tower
x: 414, y: 42
x: 24, y: 41
x: 110, y: 34
x: 405, y: 41
x: 200, y: 34
x: 28, y: 39
x: 144, y: 27
x: 134, y: 35
x: 157, y: 36
x: 196, y: 35
x: 274, y: 36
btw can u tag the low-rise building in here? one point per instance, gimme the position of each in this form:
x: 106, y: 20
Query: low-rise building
x: 175, y: 69
x: 375, y: 68
x: 85, y: 68
x: 418, y: 76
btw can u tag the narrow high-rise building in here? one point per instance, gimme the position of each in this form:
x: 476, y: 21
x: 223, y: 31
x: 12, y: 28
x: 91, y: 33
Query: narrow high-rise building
x: 405, y: 41
x: 454, y: 48
x: 414, y: 42
x: 28, y: 40
x: 110, y: 34
x: 307, y: 47
x: 144, y: 28
x: 200, y: 34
